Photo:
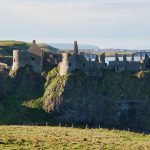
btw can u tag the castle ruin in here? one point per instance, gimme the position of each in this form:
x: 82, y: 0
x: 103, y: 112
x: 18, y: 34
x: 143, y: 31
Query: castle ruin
x: 68, y: 62
x: 36, y: 57
x: 77, y: 61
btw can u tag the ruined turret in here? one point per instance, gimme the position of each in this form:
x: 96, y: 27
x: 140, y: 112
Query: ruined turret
x: 20, y: 59
x: 64, y: 65
x: 102, y: 58
x: 36, y: 57
x: 76, y: 51
x: 140, y: 58
x: 97, y: 59
x: 16, y: 60
x: 116, y: 57
x: 124, y: 58
x: 132, y: 57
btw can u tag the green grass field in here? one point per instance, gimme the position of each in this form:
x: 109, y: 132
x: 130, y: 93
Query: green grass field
x: 12, y: 43
x: 62, y: 138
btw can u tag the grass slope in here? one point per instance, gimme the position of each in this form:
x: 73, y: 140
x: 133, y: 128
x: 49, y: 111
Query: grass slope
x: 27, y: 98
x: 83, y: 99
x: 12, y: 43
x: 54, y: 138
x: 6, y: 47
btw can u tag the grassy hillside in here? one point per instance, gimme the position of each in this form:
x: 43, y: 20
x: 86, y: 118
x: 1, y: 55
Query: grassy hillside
x: 15, y: 90
x: 93, y: 99
x: 57, y: 138
x: 12, y: 43
x: 7, y: 47
x: 27, y: 97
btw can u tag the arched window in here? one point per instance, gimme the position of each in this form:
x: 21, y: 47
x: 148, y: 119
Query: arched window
x: 14, y: 60
x: 69, y: 64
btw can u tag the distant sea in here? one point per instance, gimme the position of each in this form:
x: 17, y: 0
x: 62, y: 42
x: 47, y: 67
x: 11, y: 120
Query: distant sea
x: 136, y: 58
x: 64, y: 46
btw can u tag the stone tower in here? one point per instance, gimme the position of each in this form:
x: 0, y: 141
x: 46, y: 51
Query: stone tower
x: 20, y: 59
x: 140, y: 58
x: 116, y: 57
x: 132, y: 57
x: 124, y: 58
x: 36, y: 57
x: 71, y: 62
x: 97, y: 59
x: 16, y: 60
x: 76, y: 51
x: 102, y: 58
x: 64, y: 65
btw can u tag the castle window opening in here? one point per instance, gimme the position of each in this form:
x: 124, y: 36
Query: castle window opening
x: 84, y: 65
x: 69, y: 64
x: 14, y: 60
x: 32, y: 58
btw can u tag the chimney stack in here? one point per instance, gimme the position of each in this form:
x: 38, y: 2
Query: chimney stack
x: 76, y: 51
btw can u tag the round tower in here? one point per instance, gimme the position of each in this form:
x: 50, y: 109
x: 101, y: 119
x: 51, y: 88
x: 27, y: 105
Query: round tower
x: 16, y: 60
x: 64, y: 65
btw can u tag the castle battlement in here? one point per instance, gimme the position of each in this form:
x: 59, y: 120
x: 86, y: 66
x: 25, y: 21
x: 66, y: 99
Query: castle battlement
x: 36, y: 57
x: 77, y: 61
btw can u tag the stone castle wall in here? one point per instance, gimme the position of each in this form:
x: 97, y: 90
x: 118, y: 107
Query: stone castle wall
x: 74, y: 61
x: 33, y: 57
x: 77, y: 61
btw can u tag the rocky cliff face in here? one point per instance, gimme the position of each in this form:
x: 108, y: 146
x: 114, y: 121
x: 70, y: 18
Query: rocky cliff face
x: 17, y: 88
x: 109, y: 98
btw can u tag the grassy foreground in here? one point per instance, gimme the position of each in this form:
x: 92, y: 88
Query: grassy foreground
x: 51, y: 138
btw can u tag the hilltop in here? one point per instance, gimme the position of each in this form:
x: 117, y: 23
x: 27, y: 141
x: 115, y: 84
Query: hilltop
x: 6, y: 47
x: 54, y: 138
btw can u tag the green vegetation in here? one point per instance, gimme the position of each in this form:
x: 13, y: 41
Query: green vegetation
x: 54, y: 138
x: 93, y: 99
x: 16, y: 91
x: 6, y: 47
x: 12, y: 43
x: 27, y: 97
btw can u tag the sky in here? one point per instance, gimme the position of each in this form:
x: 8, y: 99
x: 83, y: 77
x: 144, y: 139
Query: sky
x: 104, y: 23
